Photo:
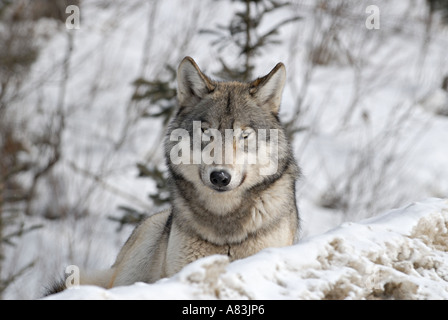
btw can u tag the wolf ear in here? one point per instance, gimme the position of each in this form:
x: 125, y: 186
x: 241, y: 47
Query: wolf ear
x: 192, y: 84
x: 268, y: 89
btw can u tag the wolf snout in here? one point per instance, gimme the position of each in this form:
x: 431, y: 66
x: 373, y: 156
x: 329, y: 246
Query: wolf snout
x: 220, y: 178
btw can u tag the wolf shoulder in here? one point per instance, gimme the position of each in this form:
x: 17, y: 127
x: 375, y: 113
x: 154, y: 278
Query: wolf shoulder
x: 147, y: 232
x: 142, y: 257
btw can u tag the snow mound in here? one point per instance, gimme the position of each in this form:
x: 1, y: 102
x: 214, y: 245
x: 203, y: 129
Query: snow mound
x: 402, y: 254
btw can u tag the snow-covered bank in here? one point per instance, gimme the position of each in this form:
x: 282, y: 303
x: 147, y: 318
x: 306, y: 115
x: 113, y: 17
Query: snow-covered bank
x: 402, y: 254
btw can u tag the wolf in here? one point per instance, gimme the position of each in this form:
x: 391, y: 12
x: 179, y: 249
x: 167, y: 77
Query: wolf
x: 222, y: 207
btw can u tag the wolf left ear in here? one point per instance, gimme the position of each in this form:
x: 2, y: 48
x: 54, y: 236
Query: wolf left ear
x: 268, y: 89
x: 192, y: 84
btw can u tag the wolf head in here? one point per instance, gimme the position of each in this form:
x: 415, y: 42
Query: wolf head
x: 226, y: 139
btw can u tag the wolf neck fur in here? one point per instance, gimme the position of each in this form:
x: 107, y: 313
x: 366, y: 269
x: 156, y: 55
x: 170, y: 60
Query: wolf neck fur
x: 243, y: 215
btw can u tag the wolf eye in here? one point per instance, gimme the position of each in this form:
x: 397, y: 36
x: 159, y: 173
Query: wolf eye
x: 205, y: 127
x: 246, y: 133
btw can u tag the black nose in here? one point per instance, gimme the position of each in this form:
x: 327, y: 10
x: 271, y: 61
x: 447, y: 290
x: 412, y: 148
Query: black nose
x: 220, y: 178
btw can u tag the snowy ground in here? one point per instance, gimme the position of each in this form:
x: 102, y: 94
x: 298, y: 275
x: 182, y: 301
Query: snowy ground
x: 389, y: 152
x: 402, y: 254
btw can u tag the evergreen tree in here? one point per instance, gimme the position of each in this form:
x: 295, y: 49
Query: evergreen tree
x: 243, y: 32
x: 159, y: 96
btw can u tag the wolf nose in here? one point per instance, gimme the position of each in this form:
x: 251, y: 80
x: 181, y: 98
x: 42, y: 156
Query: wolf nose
x: 220, y: 178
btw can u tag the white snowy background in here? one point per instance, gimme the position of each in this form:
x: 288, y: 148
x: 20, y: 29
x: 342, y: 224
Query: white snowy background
x: 374, y: 138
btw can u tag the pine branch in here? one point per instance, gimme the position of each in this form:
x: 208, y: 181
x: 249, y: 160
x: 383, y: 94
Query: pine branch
x: 8, y: 238
x: 6, y: 282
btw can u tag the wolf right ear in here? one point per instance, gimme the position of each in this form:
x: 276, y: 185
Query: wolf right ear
x: 192, y: 84
x: 268, y: 89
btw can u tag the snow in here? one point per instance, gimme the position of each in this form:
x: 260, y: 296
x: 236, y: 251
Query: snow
x: 401, y: 254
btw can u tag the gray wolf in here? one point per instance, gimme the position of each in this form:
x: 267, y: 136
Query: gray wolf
x: 218, y: 207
